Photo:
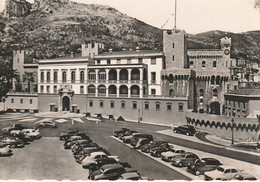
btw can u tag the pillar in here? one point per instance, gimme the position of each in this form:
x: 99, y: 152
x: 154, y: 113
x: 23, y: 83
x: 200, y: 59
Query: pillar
x: 117, y: 91
x: 107, y: 75
x: 96, y: 93
x: 141, y: 75
x: 96, y: 71
x: 107, y: 91
x: 117, y: 75
x: 129, y: 75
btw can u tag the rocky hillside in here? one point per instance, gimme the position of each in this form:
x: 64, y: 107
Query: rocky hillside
x: 57, y: 27
x: 54, y: 28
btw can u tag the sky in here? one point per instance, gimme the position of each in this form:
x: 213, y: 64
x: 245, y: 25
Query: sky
x: 194, y: 16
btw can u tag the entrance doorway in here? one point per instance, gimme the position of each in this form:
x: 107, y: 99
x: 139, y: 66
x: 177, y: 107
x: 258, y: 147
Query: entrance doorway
x: 215, y: 108
x: 66, y: 104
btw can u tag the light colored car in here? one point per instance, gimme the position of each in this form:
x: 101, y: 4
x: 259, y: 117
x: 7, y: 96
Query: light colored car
x: 15, y: 132
x: 244, y: 176
x: 32, y: 133
x: 5, y: 151
x: 130, y: 176
x: 167, y: 156
x: 127, y: 139
x: 47, y: 124
x: 222, y: 172
x: 13, y: 142
x: 91, y: 159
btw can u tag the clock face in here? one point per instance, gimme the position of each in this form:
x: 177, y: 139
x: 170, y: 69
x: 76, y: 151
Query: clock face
x: 226, y: 52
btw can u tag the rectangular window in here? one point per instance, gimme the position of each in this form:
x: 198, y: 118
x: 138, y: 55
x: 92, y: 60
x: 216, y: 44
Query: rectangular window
x: 134, y: 105
x: 48, y: 89
x: 31, y: 101
x: 90, y: 103
x: 98, y: 61
x: 108, y: 61
x: 169, y: 107
x: 55, y: 88
x: 12, y: 100
x: 118, y: 61
x: 21, y: 101
x: 153, y: 91
x: 82, y: 89
x: 153, y: 61
x: 244, y: 105
x: 42, y: 89
x: 153, y: 77
x: 201, y: 100
x: 173, y: 45
x: 123, y: 105
x: 140, y: 60
x: 146, y: 106
x: 101, y: 104
x: 112, y: 104
x: 180, y: 107
x: 172, y: 57
x: 157, y: 106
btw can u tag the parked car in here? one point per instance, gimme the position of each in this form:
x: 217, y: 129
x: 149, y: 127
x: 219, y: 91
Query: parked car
x: 156, y: 151
x: 47, y: 124
x: 5, y: 151
x: 147, y: 147
x: 122, y: 130
x: 65, y: 136
x: 184, y: 159
x: 15, y: 132
x: 167, y: 156
x: 87, y: 151
x: 13, y: 127
x: 203, y: 165
x: 222, y: 172
x: 127, y: 133
x: 100, y: 162
x: 107, y: 172
x: 91, y: 159
x: 130, y: 176
x: 185, y: 129
x: 127, y: 139
x: 73, y: 138
x: 82, y: 134
x: 32, y: 133
x: 140, y: 142
x: 83, y: 146
x: 13, y: 142
x: 136, y: 137
x: 244, y: 176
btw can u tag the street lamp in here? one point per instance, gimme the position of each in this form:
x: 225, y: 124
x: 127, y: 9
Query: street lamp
x: 232, y: 127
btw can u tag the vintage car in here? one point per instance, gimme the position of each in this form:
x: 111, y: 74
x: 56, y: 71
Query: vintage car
x: 185, y: 129
x: 184, y: 159
x: 203, y: 165
x: 222, y: 172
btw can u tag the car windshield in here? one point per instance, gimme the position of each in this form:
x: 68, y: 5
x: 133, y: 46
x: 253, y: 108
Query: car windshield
x: 220, y: 169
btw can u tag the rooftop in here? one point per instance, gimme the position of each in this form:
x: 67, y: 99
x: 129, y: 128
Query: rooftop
x: 245, y: 91
x: 134, y: 53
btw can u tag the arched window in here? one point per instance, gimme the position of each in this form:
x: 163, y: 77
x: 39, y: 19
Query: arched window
x: 92, y: 74
x: 171, y: 92
x: 191, y: 63
x: 82, y: 77
x: 215, y: 92
x: 203, y: 64
x: 55, y: 77
x: 73, y: 77
x: 214, y: 64
x: 48, y: 77
x: 201, y: 92
x: 64, y: 76
x: 42, y: 77
x: 91, y: 89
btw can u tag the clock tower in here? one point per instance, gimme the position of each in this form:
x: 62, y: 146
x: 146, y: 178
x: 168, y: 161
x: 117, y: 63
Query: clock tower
x: 226, y: 46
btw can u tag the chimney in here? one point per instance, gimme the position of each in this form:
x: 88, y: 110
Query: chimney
x: 71, y: 54
x: 137, y: 49
x: 110, y: 50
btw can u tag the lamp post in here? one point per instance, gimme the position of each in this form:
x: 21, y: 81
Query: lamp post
x: 232, y: 127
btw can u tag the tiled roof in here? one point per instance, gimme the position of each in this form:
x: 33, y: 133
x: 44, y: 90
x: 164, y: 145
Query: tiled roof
x: 245, y: 91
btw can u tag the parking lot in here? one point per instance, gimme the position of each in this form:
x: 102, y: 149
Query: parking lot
x: 46, y: 158
x: 42, y: 159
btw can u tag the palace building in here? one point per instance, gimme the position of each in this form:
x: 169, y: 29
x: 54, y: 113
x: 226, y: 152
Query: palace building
x: 147, y: 85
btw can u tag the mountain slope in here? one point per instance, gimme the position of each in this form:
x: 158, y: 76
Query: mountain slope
x: 56, y: 27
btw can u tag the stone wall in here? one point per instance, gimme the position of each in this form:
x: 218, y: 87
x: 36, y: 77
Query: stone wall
x: 244, y: 128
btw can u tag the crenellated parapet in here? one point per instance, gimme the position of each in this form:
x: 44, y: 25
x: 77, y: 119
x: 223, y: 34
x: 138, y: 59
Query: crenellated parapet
x: 91, y: 49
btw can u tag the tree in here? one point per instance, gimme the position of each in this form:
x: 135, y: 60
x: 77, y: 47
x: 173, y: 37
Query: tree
x: 28, y: 77
x: 6, y: 75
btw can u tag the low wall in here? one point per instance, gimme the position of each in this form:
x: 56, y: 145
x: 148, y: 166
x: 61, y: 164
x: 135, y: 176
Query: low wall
x: 244, y: 128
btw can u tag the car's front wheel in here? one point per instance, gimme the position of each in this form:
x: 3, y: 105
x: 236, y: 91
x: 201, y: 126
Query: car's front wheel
x: 197, y: 173
x: 180, y: 164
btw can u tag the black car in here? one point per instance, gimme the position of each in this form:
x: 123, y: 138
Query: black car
x: 127, y: 133
x: 13, y: 127
x: 87, y: 151
x: 153, y: 144
x: 185, y: 129
x: 136, y: 137
x: 65, y: 136
x: 100, y: 162
x: 203, y: 165
x: 85, y: 145
x: 122, y: 130
x: 156, y: 151
x: 142, y: 141
x: 83, y: 135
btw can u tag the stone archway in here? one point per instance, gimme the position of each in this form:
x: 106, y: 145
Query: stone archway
x: 215, y: 108
x: 65, y: 103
